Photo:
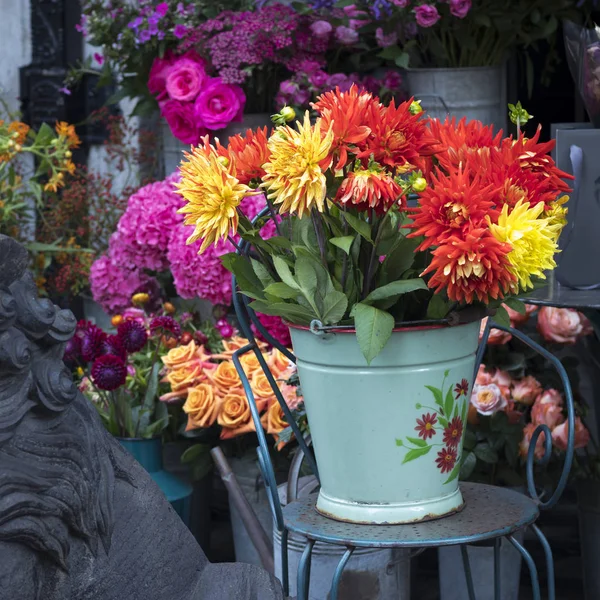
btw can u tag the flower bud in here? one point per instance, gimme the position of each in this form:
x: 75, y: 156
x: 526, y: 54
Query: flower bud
x: 415, y: 107
x: 419, y: 184
x: 140, y: 299
x: 223, y: 160
x: 168, y: 308
x: 285, y: 115
x: 186, y: 338
x: 68, y: 154
x: 116, y: 320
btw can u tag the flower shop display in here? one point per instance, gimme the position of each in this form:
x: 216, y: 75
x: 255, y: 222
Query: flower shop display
x: 350, y: 253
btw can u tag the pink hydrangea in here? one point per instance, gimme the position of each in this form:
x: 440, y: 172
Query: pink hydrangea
x: 276, y: 327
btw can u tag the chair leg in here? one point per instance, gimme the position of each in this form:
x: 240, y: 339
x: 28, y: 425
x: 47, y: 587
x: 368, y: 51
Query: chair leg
x: 338, y: 573
x: 497, y: 569
x: 467, y: 569
x: 535, y: 582
x: 285, y: 569
x: 549, y: 561
x: 304, y: 571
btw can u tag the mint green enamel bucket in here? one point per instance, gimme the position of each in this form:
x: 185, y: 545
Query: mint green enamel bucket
x: 388, y: 436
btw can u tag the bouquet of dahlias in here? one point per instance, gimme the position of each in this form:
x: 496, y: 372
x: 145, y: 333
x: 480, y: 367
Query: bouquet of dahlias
x: 350, y: 250
x: 211, y: 391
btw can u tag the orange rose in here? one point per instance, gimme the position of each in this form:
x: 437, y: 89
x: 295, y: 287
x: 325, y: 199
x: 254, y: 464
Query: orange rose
x: 279, y: 363
x: 201, y: 407
x: 185, y: 377
x: 274, y: 422
x: 526, y: 441
x: 261, y: 387
x: 234, y: 415
x: 177, y: 357
x: 560, y: 435
x: 250, y: 364
x: 225, y: 377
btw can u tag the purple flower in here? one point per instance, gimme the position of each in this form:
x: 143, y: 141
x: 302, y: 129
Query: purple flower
x: 132, y: 336
x: 135, y: 23
x: 381, y: 8
x: 109, y: 372
x: 392, y: 80
x: 179, y: 31
x: 72, y: 350
x: 113, y: 345
x: 98, y: 58
x: 426, y: 15
x: 288, y: 87
x: 460, y: 8
x: 321, y: 28
x: 181, y: 8
x: 385, y: 39
x: 346, y: 35
x: 153, y: 24
x: 318, y: 79
x: 145, y: 36
x: 92, y: 338
x: 162, y: 9
x: 65, y: 90
x: 400, y: 3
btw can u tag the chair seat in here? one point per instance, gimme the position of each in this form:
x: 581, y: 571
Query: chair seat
x: 489, y: 512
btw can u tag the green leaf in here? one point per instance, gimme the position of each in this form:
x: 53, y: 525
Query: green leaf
x: 283, y: 270
x: 399, y: 443
x: 344, y: 242
x: 280, y: 242
x: 416, y: 453
x: 396, y: 288
x: 501, y: 317
x: 516, y: 304
x: 194, y: 452
x: 361, y: 227
x: 468, y: 463
x: 403, y: 60
x: 150, y: 396
x: 281, y: 290
x: 306, y: 276
x: 261, y: 272
x: 437, y: 307
x: 155, y: 428
x: 437, y: 394
x: 390, y: 53
x: 486, y: 453
x: 244, y: 273
x: 443, y: 421
x: 470, y: 440
x: 294, y: 313
x: 417, y: 442
x: 453, y: 474
x: 44, y: 135
x: 335, y: 305
x: 399, y: 260
x: 373, y: 329
x: 448, y: 403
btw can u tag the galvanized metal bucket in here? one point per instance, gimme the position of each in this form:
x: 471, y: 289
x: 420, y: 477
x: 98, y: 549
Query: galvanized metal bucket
x: 388, y: 436
x: 474, y: 92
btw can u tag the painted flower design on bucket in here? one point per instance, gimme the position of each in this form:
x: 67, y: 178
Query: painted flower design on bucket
x: 440, y: 427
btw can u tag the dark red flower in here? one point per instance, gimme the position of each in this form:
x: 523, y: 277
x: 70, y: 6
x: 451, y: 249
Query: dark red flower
x: 109, y: 372
x: 72, y: 350
x: 165, y: 325
x: 446, y: 460
x: 92, y: 338
x: 425, y: 425
x: 113, y: 345
x: 461, y: 389
x: 132, y: 335
x: 453, y: 432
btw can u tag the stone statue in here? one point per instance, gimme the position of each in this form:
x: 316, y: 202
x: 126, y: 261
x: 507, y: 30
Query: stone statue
x: 79, y: 518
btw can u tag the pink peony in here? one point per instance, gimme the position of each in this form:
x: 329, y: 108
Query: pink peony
x: 219, y: 104
x: 562, y: 325
x: 426, y: 15
x: 321, y: 29
x: 488, y: 399
x: 182, y: 120
x: 158, y: 76
x: 528, y: 432
x: 460, y: 8
x: 346, y: 35
x: 550, y: 415
x: 560, y: 435
x: 185, y: 78
x: 497, y: 337
x: 526, y: 390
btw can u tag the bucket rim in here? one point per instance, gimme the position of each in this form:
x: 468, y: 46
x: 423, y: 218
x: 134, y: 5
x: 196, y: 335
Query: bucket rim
x: 407, y: 328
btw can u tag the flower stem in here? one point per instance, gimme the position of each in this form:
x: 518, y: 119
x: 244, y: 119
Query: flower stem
x: 320, y: 236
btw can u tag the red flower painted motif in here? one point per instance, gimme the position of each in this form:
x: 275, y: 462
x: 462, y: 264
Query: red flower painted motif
x: 425, y: 426
x: 461, y: 389
x: 453, y: 432
x: 446, y: 460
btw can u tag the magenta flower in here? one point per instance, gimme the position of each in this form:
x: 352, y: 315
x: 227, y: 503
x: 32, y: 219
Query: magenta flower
x: 184, y: 79
x: 346, y: 35
x: 92, y: 338
x: 426, y: 15
x: 99, y: 58
x: 179, y: 31
x: 162, y: 9
x: 109, y: 372
x: 182, y: 120
x: 460, y: 8
x: 72, y: 350
x: 219, y: 104
x: 132, y: 336
x: 165, y: 326
x: 321, y: 28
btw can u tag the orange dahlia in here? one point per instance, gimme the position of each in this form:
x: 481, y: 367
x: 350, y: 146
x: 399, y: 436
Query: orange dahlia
x: 458, y: 141
x: 249, y: 153
x: 369, y: 188
x: 343, y: 112
x: 450, y: 206
x: 472, y: 267
x: 399, y: 139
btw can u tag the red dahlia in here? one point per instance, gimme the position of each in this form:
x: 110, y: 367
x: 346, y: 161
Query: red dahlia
x: 453, y: 432
x: 132, y: 335
x: 166, y: 325
x: 109, y: 372
x: 426, y: 426
x: 113, y: 345
x: 446, y: 459
x: 92, y: 338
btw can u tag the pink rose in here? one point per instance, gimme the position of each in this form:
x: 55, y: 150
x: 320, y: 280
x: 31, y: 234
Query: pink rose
x: 526, y: 442
x: 497, y: 337
x: 385, y: 39
x: 526, y: 390
x: 321, y: 29
x: 182, y: 120
x: 484, y: 377
x: 219, y: 104
x: 346, y: 35
x: 460, y: 8
x: 560, y: 435
x: 562, y: 325
x: 158, y: 76
x: 516, y: 318
x: 550, y: 396
x: 503, y: 380
x: 550, y: 415
x: 426, y: 15
x: 352, y: 11
x: 488, y: 399
x: 184, y: 80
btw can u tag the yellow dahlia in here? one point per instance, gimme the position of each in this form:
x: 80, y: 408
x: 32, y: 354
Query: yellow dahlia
x: 557, y: 214
x: 533, y: 241
x: 213, y: 194
x: 294, y: 174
